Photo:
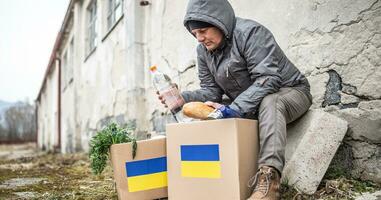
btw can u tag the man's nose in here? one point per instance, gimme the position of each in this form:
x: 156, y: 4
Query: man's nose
x: 200, y: 38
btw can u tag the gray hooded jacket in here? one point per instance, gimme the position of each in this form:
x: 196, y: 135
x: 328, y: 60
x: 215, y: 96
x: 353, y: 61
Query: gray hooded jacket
x: 248, y: 65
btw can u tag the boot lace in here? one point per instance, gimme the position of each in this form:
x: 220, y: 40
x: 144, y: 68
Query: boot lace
x: 264, y: 181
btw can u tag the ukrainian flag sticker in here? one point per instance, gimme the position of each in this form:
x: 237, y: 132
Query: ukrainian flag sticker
x: 146, y: 174
x: 200, y: 161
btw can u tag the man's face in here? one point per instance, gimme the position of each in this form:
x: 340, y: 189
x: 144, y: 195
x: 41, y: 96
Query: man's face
x: 210, y: 37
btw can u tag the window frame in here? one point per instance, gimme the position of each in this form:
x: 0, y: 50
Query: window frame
x: 91, y: 28
x: 112, y: 7
x: 71, y: 50
x: 64, y: 63
x: 111, y: 12
x: 67, y: 64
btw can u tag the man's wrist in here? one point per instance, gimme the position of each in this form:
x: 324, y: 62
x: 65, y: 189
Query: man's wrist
x: 229, y: 112
x: 236, y: 109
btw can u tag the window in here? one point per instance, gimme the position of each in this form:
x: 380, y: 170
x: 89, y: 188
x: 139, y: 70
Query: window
x: 70, y: 61
x: 115, y: 11
x: 91, y: 27
x: 64, y: 69
x: 71, y: 49
x: 67, y: 64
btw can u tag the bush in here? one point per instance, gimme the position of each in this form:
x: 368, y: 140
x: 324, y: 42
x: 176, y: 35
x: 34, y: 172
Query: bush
x: 100, y: 145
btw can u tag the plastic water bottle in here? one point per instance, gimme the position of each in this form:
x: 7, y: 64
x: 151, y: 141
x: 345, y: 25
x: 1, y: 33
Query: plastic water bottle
x: 169, y: 91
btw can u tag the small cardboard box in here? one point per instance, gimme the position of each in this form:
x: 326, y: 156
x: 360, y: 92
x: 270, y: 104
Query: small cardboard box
x: 144, y: 177
x: 211, y: 159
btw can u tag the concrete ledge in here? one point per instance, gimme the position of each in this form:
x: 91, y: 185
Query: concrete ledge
x: 312, y: 141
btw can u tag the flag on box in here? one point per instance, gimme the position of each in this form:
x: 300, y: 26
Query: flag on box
x: 200, y: 161
x: 146, y: 174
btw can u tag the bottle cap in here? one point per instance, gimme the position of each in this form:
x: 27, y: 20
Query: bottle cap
x: 153, y: 68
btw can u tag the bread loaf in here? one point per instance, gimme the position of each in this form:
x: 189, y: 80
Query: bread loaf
x: 197, y: 110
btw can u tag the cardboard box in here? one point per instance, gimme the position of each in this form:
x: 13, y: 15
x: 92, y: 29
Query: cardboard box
x: 211, y: 159
x: 144, y: 177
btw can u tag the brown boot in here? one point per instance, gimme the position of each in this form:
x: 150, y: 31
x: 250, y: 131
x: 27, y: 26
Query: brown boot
x: 267, y: 184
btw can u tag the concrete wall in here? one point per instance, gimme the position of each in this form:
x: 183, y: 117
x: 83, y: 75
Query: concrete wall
x: 169, y: 46
x: 108, y: 84
x: 102, y: 80
x: 69, y: 62
x: 335, y: 43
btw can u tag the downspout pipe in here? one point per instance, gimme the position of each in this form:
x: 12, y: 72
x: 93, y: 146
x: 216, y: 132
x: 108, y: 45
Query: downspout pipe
x: 58, y: 60
x: 36, y: 120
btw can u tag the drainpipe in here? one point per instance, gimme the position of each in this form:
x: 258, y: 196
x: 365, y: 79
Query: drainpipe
x: 58, y: 60
x: 36, y: 121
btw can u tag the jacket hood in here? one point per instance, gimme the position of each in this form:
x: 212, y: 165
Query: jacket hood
x: 216, y: 12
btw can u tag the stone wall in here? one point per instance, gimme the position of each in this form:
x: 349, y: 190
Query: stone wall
x: 361, y: 150
x: 342, y: 60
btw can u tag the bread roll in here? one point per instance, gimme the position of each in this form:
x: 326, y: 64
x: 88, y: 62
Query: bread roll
x: 197, y: 110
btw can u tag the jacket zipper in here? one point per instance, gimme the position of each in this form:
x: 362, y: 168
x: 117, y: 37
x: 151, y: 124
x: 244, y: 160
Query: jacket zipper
x: 232, y: 77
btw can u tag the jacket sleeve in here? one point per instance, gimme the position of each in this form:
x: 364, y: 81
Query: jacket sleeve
x: 262, y: 55
x: 209, y: 90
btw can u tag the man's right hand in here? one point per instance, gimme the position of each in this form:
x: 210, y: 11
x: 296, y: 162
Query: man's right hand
x: 161, y: 98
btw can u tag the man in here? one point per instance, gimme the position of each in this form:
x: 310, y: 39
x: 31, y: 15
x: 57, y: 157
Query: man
x: 241, y: 59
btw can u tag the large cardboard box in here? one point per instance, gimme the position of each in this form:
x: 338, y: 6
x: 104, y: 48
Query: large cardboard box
x: 211, y: 159
x: 144, y: 177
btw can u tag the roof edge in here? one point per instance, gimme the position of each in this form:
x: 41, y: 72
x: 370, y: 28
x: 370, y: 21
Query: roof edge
x: 56, y: 46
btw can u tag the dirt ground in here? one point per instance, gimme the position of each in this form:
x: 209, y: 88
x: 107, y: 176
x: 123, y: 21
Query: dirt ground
x: 26, y: 173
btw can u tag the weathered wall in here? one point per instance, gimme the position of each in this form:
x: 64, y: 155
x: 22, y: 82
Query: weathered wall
x: 105, y: 85
x: 340, y: 51
x: 172, y: 49
x: 101, y: 76
x: 108, y: 84
x: 47, y: 113
x: 67, y: 57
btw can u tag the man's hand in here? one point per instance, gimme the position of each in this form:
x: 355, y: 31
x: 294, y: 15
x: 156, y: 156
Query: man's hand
x: 213, y: 104
x: 222, y: 111
x: 161, y: 98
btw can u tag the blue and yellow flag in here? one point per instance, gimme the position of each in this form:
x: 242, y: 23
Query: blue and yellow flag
x: 200, y: 161
x: 146, y: 174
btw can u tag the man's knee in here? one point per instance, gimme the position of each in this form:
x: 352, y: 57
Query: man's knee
x: 270, y: 105
x: 268, y: 102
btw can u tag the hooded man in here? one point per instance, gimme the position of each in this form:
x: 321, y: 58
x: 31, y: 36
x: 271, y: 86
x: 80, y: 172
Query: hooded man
x: 241, y: 59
